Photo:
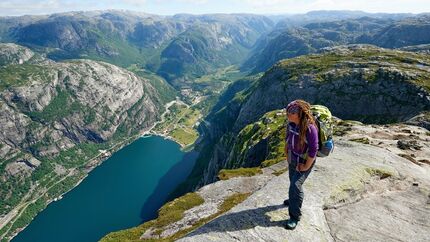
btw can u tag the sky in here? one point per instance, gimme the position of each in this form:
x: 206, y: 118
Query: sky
x: 170, y: 7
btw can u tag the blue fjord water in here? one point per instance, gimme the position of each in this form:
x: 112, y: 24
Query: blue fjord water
x: 125, y: 190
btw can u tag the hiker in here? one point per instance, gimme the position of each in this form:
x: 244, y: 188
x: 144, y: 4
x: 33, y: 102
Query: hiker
x: 301, y: 147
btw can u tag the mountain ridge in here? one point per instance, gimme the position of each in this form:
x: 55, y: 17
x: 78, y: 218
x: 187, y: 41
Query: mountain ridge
x: 288, y: 42
x: 126, y: 38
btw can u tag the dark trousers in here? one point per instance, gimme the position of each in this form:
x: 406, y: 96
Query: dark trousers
x: 295, y: 192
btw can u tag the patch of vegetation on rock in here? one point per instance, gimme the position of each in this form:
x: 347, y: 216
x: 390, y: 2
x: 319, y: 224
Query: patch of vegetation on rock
x: 226, y: 174
x: 363, y: 140
x: 169, y: 213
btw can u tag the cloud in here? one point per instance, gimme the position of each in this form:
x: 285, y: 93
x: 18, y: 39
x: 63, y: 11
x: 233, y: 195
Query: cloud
x: 21, y: 7
x: 415, y: 6
x: 196, y: 2
x: 30, y: 7
x: 135, y: 3
x: 45, y: 6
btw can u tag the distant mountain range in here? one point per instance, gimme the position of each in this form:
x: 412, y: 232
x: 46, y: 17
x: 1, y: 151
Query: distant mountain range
x: 180, y: 46
x: 288, y: 41
x: 183, y: 47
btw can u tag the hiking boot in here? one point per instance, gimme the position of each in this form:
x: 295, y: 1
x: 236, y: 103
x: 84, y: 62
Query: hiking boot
x: 287, y: 202
x: 291, y: 223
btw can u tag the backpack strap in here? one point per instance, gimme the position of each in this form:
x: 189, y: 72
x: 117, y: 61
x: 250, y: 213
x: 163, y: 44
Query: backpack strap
x: 304, y: 156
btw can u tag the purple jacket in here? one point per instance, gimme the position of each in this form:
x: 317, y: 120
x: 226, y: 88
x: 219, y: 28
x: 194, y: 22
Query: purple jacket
x: 311, y: 144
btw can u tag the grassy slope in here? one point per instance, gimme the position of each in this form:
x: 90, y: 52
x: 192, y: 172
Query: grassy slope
x: 370, y: 59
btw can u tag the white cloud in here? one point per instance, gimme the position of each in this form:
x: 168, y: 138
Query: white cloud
x: 21, y: 7
x: 16, y: 7
x: 30, y: 7
x: 194, y: 1
x: 416, y: 6
x: 183, y: 1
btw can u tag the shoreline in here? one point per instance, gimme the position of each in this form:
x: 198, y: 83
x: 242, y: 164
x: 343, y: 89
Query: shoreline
x: 91, y: 165
x: 96, y: 161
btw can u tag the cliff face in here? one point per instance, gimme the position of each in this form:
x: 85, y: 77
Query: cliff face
x: 358, y: 82
x: 358, y: 193
x: 57, y: 116
x: 375, y: 182
x: 94, y: 99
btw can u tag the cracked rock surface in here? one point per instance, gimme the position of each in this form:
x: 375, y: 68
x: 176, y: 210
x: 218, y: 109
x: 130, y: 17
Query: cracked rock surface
x: 359, y: 193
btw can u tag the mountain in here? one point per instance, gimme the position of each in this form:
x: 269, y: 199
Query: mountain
x: 179, y: 47
x: 60, y: 119
x: 357, y: 82
x: 213, y: 42
x: 288, y: 42
x: 97, y: 35
x: 406, y: 32
x: 296, y: 20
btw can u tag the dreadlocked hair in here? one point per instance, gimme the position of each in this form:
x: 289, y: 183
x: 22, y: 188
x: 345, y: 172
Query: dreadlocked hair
x: 305, y: 119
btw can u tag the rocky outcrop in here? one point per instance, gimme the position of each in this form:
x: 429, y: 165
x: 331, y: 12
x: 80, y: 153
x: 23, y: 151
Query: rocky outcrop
x: 364, y: 190
x: 358, y: 82
x: 360, y: 192
x: 13, y: 54
x: 214, y: 195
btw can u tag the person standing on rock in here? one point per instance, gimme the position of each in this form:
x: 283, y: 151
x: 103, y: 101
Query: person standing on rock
x: 301, y: 147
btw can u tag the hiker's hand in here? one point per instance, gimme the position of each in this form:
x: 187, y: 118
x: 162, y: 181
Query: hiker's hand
x: 302, y: 167
x: 306, y: 166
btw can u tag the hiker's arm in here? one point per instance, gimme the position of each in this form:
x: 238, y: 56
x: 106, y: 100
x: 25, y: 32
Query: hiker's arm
x: 304, y: 167
x: 309, y: 162
x: 312, y: 138
x: 286, y: 143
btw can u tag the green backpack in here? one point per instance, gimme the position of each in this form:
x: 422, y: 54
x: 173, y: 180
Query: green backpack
x: 324, y: 121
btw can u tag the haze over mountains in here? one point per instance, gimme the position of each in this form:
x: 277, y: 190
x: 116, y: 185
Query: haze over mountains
x: 180, y: 46
x: 307, y: 38
x: 187, y: 46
